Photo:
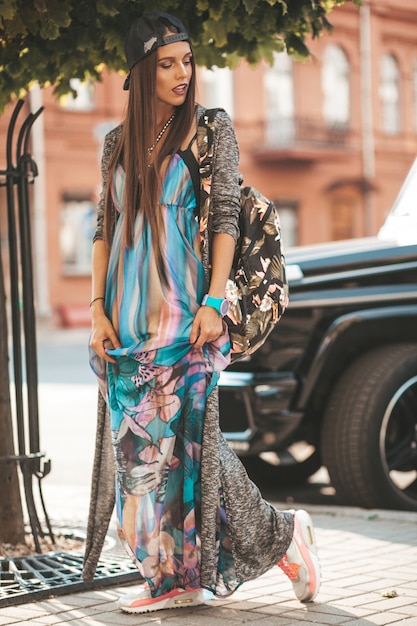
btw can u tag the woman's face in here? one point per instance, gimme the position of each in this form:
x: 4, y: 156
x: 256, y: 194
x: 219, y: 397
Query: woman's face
x: 173, y: 73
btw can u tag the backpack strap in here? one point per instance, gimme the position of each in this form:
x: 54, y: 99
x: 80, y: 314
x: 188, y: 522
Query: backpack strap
x: 205, y: 147
x: 205, y: 141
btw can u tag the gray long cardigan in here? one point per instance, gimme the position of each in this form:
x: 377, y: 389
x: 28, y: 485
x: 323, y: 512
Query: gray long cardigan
x: 259, y: 534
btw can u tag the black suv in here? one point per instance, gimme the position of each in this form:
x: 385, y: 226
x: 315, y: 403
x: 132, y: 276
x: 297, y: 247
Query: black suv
x: 335, y: 384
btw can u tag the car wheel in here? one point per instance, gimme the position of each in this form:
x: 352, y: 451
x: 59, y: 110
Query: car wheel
x: 291, y: 466
x: 369, y: 432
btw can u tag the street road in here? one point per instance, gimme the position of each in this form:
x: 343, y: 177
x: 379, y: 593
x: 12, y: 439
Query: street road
x: 67, y: 410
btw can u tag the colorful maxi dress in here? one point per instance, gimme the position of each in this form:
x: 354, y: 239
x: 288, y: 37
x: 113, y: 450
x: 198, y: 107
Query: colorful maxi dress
x: 157, y: 390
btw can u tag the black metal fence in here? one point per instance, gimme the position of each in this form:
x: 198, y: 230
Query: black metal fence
x: 19, y: 174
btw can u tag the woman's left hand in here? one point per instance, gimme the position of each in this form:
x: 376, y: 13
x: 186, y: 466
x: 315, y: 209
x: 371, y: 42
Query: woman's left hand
x: 207, y: 326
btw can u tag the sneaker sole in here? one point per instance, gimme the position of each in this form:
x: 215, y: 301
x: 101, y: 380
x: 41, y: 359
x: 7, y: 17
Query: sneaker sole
x: 305, y: 539
x: 175, y: 599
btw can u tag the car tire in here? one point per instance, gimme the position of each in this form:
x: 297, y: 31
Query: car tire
x: 369, y: 431
x: 290, y: 471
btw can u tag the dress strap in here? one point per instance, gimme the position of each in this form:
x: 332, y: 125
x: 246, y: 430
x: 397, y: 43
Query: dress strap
x: 193, y: 139
x: 191, y: 162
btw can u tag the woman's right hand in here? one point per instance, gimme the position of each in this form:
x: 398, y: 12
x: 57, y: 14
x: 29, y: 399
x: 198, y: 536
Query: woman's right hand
x: 103, y: 334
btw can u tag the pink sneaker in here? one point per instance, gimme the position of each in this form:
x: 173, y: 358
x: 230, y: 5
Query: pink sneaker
x: 301, y: 562
x: 141, y: 601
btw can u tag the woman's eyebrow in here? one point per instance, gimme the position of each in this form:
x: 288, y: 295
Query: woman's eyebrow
x: 189, y: 54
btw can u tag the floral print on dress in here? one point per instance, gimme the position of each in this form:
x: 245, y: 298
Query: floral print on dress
x: 158, y: 454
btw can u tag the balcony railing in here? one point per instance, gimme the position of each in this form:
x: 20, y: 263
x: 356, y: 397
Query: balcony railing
x: 300, y: 132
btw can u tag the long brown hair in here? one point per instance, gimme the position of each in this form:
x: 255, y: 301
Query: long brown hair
x: 139, y: 130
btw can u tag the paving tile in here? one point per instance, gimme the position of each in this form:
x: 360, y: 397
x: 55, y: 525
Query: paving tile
x: 330, y: 595
x: 78, y: 613
x: 380, y: 585
x: 383, y: 619
x: 360, y: 622
x: 316, y: 618
x: 117, y: 618
x: 48, y: 620
x: 7, y: 620
x: 388, y: 604
x: 356, y: 580
x: 216, y: 602
x: 25, y: 623
x: 214, y: 617
x: 59, y: 618
x: 409, y: 609
x: 246, y: 605
x: 275, y: 609
x: 363, y: 600
x: 103, y: 595
x: 68, y: 602
x: 345, y: 593
x: 23, y: 611
x: 275, y: 621
x: 336, y: 610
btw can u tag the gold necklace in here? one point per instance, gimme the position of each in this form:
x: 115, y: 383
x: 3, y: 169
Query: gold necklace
x: 160, y: 135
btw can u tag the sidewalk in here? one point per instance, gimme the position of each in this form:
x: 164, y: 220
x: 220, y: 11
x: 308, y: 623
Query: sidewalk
x: 369, y: 576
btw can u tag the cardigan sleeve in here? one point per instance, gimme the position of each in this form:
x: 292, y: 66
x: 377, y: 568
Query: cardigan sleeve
x: 225, y: 187
x: 110, y: 142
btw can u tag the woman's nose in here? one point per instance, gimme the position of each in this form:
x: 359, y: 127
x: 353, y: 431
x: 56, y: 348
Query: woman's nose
x: 181, y: 70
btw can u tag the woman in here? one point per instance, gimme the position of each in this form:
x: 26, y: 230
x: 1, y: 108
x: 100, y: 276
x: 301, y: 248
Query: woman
x: 187, y: 512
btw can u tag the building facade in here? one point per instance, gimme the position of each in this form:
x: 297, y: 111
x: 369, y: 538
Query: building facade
x: 330, y: 140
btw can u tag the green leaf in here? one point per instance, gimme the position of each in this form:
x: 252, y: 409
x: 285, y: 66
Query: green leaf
x: 216, y: 31
x: 8, y: 9
x: 59, y: 12
x: 40, y: 5
x: 14, y: 27
x: 107, y: 7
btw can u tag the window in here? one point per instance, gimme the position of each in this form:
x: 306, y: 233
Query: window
x: 287, y: 211
x: 85, y: 96
x: 342, y: 223
x: 389, y: 93
x: 78, y: 221
x: 218, y: 88
x: 336, y: 87
x: 279, y: 99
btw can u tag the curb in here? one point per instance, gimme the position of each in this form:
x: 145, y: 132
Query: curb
x: 351, y: 511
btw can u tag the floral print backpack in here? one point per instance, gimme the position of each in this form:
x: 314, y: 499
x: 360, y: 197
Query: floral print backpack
x: 257, y: 289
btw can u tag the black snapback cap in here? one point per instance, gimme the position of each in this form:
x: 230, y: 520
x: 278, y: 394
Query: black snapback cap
x: 145, y: 35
